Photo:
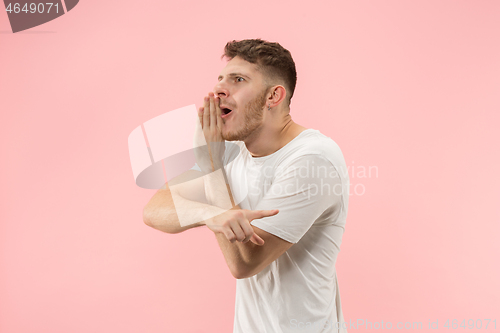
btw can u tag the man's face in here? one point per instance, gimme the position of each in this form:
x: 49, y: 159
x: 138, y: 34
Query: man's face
x: 242, y: 90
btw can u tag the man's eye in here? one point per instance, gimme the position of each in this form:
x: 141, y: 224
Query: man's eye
x: 239, y: 79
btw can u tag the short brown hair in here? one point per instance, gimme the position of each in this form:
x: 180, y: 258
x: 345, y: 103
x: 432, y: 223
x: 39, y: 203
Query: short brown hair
x: 272, y: 59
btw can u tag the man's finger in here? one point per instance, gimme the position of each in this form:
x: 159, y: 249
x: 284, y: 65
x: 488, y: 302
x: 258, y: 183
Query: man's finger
x: 257, y: 240
x: 248, y: 230
x: 213, y: 121
x: 238, y: 231
x: 206, y: 112
x: 230, y: 236
x: 258, y: 214
x: 218, y: 113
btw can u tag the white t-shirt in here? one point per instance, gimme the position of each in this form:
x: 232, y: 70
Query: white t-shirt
x: 307, y: 181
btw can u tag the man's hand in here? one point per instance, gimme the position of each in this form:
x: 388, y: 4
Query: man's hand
x: 210, y: 156
x: 235, y: 224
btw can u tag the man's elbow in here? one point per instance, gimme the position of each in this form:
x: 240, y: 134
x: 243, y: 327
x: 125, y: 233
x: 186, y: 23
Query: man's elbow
x: 242, y: 271
x: 146, y: 217
x: 239, y: 275
x: 149, y: 217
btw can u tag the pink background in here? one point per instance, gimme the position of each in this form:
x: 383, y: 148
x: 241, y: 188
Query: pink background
x: 409, y: 87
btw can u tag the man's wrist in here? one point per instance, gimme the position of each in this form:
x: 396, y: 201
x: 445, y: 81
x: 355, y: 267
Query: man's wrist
x: 217, y: 190
x: 214, y: 166
x: 217, y: 165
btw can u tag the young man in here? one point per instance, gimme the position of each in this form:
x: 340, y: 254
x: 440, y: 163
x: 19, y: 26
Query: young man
x: 274, y: 193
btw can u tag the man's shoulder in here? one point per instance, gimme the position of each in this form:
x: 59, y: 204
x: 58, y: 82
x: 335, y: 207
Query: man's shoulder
x: 313, y: 142
x: 314, y: 145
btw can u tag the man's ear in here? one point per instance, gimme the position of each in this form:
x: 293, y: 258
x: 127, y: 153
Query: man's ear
x: 277, y: 94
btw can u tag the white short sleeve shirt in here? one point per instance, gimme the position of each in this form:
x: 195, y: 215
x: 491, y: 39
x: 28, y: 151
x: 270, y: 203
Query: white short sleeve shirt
x: 307, y: 181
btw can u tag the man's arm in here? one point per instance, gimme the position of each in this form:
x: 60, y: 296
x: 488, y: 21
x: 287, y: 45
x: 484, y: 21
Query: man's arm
x: 183, y: 197
x: 232, y: 228
x: 195, y: 201
x: 243, y: 258
x: 301, y: 198
x: 247, y: 259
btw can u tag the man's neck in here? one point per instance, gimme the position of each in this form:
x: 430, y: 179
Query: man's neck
x: 270, y: 140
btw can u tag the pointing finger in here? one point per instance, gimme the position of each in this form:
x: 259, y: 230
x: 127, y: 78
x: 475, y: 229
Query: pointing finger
x: 258, y: 214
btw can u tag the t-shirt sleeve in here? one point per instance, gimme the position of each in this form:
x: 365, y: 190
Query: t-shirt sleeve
x: 302, y: 191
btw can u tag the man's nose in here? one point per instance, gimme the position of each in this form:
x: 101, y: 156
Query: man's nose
x: 220, y: 90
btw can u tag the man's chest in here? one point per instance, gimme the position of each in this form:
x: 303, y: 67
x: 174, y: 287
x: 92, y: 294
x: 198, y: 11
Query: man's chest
x: 249, y: 182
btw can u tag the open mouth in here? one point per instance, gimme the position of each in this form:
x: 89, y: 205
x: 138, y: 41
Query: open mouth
x: 225, y: 112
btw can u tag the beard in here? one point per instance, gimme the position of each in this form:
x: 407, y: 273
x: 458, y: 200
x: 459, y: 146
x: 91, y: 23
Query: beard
x: 252, y: 114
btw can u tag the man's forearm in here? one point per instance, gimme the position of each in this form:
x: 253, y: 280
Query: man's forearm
x: 237, y: 255
x: 218, y: 191
x: 171, y: 213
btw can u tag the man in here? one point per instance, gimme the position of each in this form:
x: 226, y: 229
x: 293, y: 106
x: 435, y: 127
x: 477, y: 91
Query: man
x: 274, y: 193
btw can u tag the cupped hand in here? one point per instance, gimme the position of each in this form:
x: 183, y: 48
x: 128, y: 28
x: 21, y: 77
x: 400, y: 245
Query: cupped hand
x: 208, y: 137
